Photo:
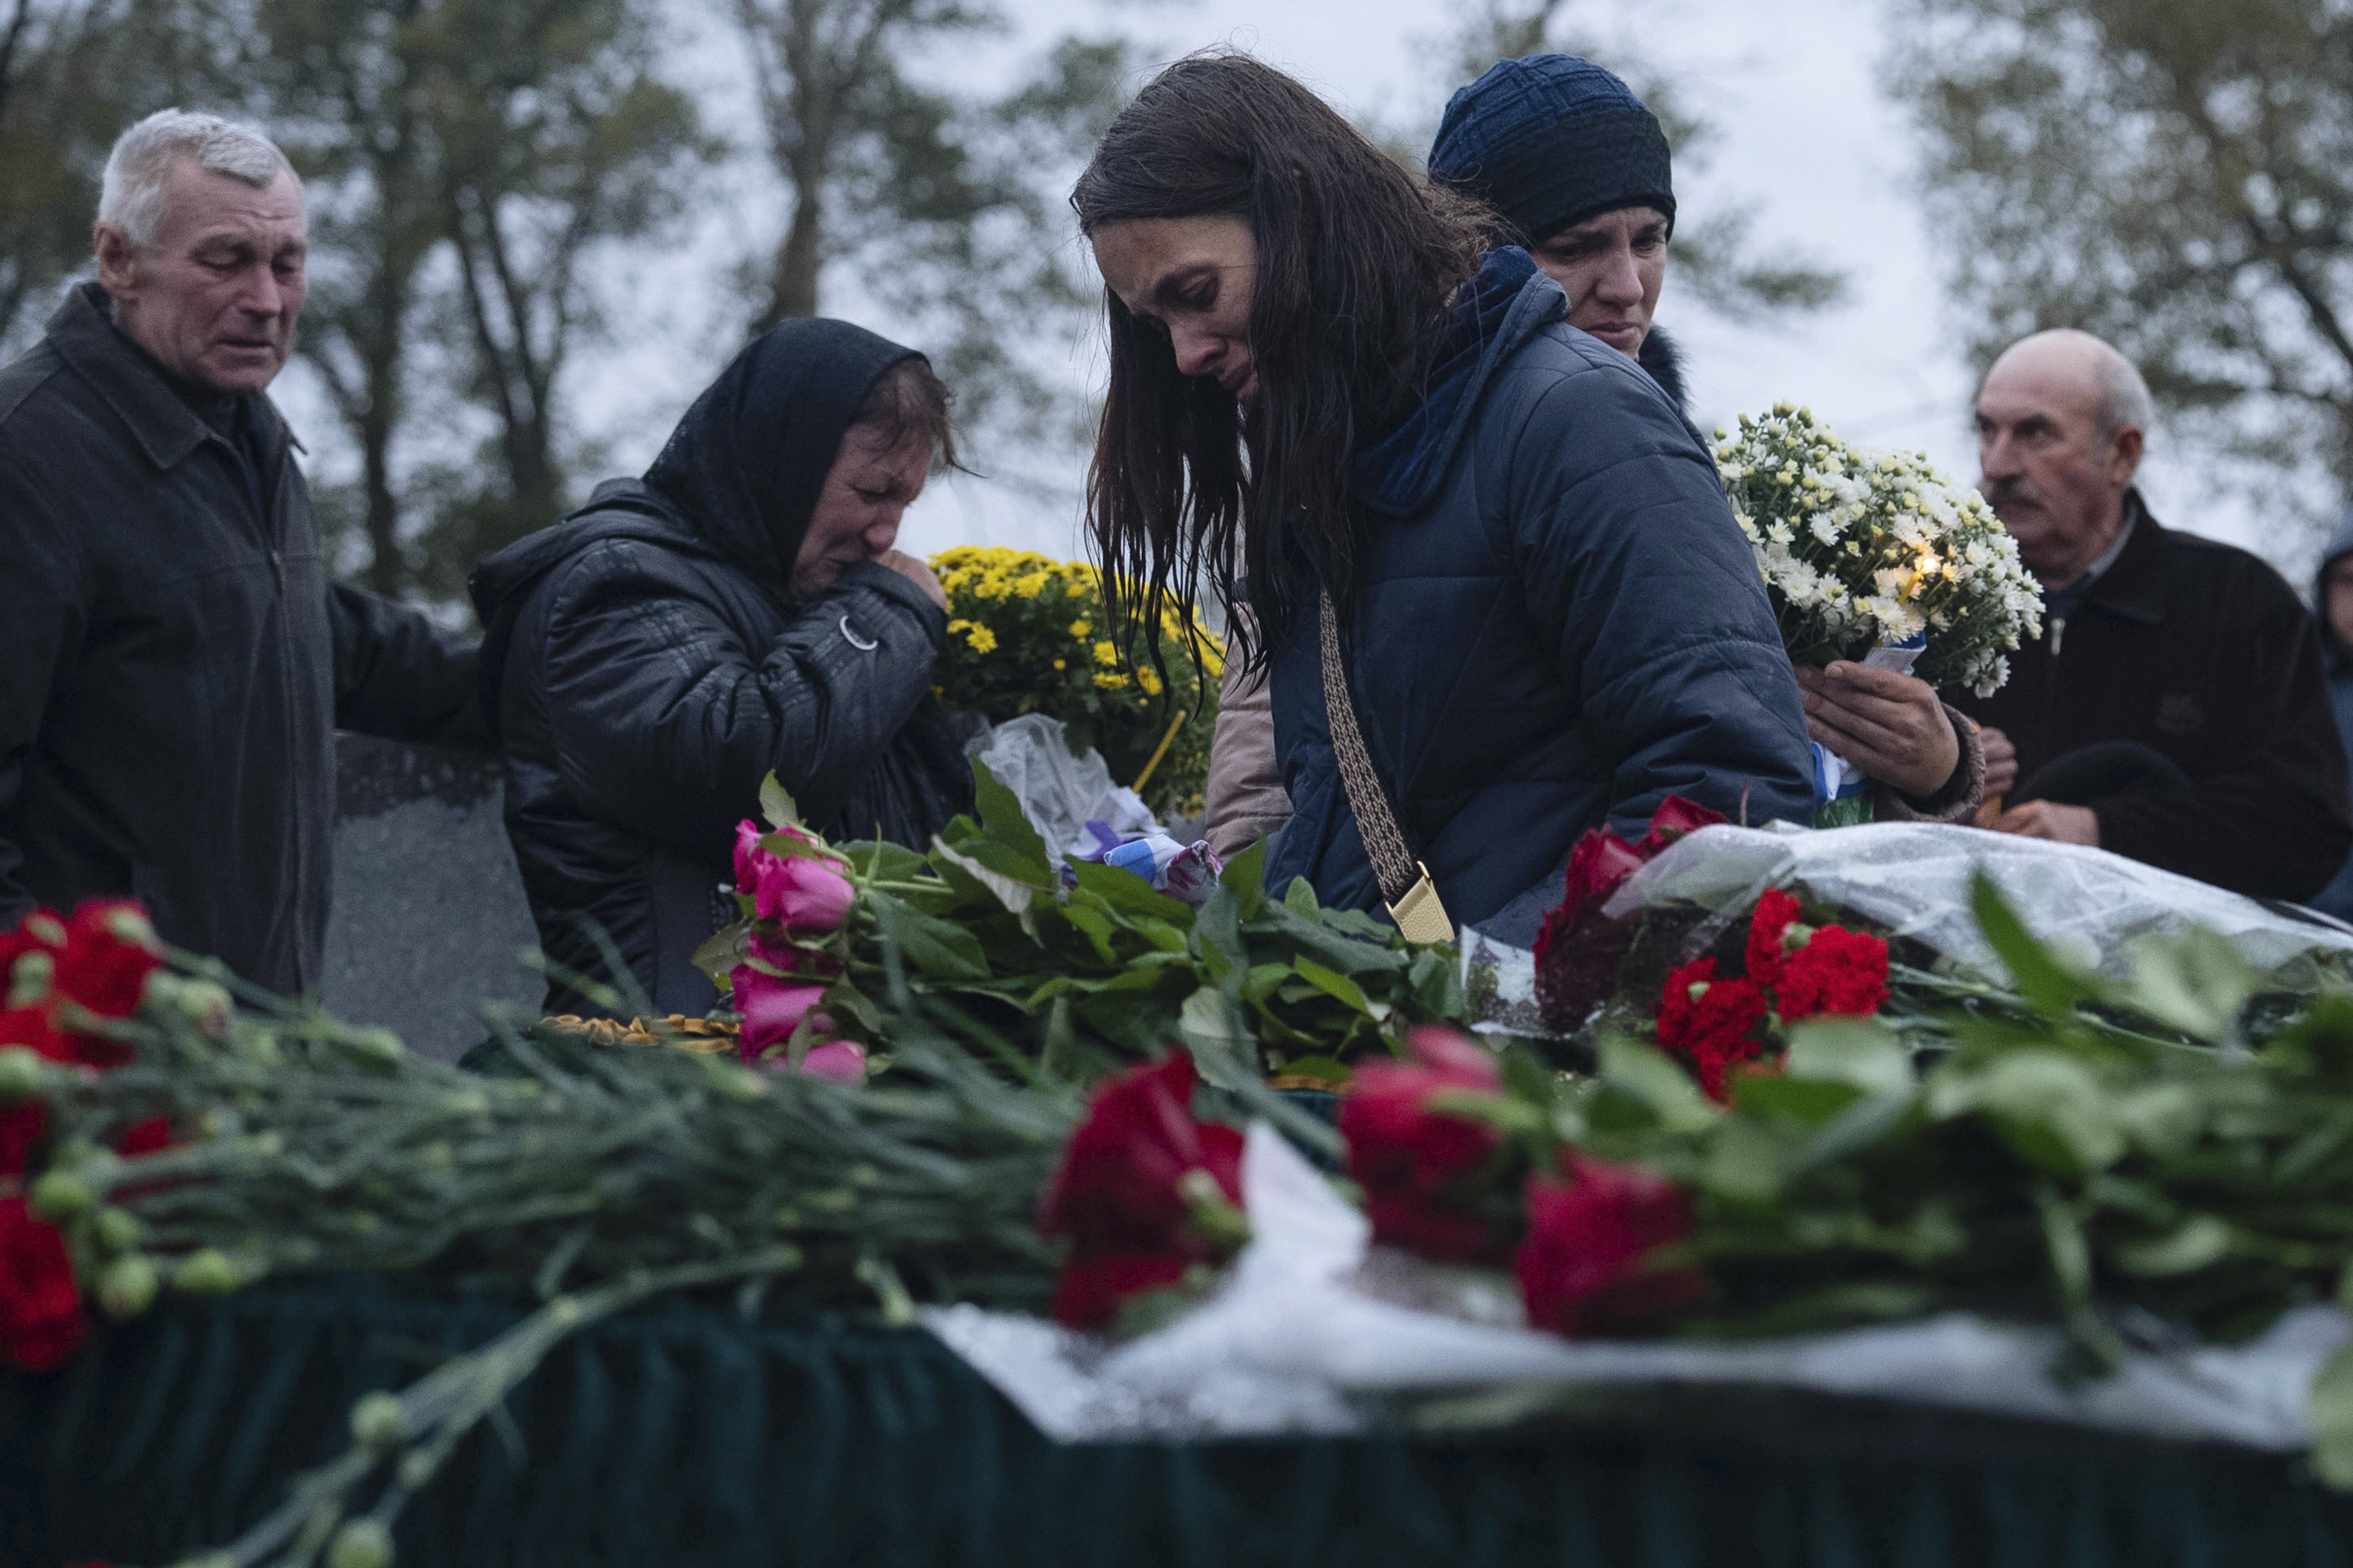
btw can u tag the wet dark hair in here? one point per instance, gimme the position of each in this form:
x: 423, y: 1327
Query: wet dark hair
x: 1356, y: 262
x: 909, y: 401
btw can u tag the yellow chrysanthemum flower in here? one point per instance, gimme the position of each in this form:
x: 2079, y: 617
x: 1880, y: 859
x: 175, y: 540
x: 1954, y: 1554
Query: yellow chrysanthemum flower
x: 981, y: 639
x: 1149, y: 681
x: 1083, y: 629
x: 1060, y: 665
x: 1031, y: 586
x: 1105, y: 653
x: 1109, y: 680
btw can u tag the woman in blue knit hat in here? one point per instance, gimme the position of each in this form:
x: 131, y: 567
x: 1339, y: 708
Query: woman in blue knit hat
x: 1579, y: 172
x: 1499, y: 594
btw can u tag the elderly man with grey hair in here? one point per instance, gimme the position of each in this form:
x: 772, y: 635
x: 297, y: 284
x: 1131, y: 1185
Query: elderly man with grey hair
x: 2175, y: 708
x: 173, y: 661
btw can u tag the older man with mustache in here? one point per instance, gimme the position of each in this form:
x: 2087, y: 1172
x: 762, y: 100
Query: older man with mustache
x: 2175, y: 708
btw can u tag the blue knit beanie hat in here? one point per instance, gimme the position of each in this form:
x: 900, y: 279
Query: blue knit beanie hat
x: 1549, y: 141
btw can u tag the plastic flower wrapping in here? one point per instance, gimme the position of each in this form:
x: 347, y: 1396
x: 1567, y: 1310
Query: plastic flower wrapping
x: 1862, y: 548
x: 1028, y: 634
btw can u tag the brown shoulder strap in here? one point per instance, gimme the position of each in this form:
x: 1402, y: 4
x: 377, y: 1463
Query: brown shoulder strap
x: 1411, y: 896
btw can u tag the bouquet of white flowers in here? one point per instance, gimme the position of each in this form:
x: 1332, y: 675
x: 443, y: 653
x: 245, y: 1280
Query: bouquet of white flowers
x: 1865, y: 550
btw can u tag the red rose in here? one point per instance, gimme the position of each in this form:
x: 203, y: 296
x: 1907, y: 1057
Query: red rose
x: 1840, y: 971
x: 1768, y: 930
x: 1122, y: 1192
x: 1583, y: 1269
x: 1412, y: 1161
x: 110, y: 952
x: 1674, y: 818
x: 1710, y: 1022
x: 40, y: 1311
x: 1092, y: 1290
x: 1578, y: 949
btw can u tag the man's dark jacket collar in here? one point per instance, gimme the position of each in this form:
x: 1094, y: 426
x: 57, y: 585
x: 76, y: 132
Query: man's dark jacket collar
x: 137, y: 388
x: 2135, y: 586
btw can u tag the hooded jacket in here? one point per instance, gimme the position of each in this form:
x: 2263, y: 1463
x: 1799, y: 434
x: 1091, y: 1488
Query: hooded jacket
x: 1558, y: 625
x: 2201, y: 652
x: 650, y: 666
x: 2337, y: 898
x: 174, y: 663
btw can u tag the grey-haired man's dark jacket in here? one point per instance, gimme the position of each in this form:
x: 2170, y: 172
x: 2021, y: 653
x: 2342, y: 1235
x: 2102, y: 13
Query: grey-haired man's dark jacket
x: 173, y: 661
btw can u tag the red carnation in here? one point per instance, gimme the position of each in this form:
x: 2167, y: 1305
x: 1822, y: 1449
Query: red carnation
x: 20, y: 1129
x: 1768, y: 930
x: 1838, y: 971
x: 40, y: 1311
x: 110, y: 952
x: 1709, y: 1022
x: 1412, y: 1160
x: 1584, y: 1269
x: 1122, y: 1192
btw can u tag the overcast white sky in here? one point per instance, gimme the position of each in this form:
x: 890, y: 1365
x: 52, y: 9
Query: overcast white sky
x: 1804, y: 132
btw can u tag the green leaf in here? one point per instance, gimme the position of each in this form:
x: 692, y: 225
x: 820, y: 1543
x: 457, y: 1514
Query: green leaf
x: 2047, y: 1106
x: 1095, y: 925
x: 1744, y: 1162
x: 1001, y: 818
x: 1644, y: 1076
x: 879, y: 861
x: 1211, y: 1026
x: 2196, y: 982
x: 1218, y: 935
x: 1300, y: 899
x: 941, y: 950
x: 1434, y: 981
x: 2330, y: 1406
x: 1867, y: 1055
x: 1324, y: 1068
x: 1011, y: 892
x: 2052, y: 986
x: 1333, y: 984
x: 1246, y: 875
x: 2201, y: 1241
x: 1123, y: 890
x: 776, y: 804
x: 724, y: 949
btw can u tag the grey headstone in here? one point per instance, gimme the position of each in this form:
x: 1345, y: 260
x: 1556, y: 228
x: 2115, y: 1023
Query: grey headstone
x: 429, y: 911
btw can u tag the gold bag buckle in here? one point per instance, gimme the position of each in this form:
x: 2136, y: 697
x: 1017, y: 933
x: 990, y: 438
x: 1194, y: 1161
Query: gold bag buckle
x: 1419, y: 915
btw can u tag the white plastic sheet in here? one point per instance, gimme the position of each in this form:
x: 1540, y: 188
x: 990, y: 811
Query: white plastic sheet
x: 1060, y: 794
x: 1913, y: 878
x: 1310, y: 1333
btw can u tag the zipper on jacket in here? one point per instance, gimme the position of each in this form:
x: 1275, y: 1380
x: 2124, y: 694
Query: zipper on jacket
x: 2058, y: 633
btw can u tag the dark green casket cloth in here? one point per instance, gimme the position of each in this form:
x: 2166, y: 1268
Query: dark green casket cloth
x: 683, y: 1437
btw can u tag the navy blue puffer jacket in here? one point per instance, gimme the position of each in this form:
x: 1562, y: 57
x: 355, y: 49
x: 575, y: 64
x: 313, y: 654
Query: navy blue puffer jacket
x: 1558, y: 625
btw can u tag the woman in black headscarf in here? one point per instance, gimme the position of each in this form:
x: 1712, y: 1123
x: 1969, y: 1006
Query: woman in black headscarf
x: 739, y: 610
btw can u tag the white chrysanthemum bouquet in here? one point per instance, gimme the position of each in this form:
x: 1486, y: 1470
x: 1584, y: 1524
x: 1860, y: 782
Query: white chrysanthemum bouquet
x: 1864, y: 550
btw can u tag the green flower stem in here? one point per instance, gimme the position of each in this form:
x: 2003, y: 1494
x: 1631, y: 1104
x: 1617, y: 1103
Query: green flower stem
x: 447, y: 1404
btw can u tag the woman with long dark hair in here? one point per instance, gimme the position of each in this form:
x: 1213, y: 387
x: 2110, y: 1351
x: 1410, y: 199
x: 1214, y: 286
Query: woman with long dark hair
x: 1494, y: 581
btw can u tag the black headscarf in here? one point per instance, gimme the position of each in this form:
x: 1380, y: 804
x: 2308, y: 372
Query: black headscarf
x: 747, y: 461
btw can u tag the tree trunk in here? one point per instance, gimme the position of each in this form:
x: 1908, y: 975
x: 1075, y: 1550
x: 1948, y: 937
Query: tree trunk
x: 793, y: 292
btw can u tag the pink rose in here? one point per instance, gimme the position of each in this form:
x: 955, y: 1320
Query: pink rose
x: 836, y: 1062
x: 771, y: 1008
x: 803, y: 893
